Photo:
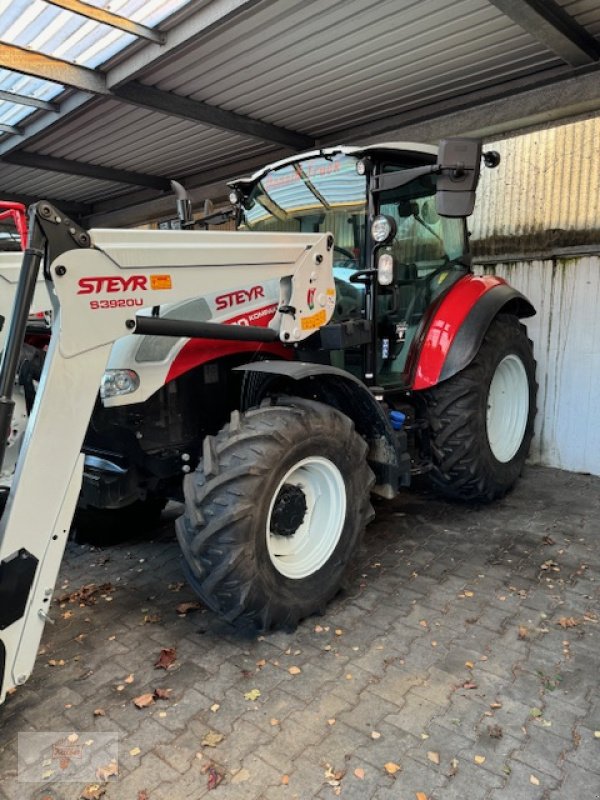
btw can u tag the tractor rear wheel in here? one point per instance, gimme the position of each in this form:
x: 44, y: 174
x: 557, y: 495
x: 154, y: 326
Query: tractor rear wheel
x: 481, y: 420
x: 275, y: 512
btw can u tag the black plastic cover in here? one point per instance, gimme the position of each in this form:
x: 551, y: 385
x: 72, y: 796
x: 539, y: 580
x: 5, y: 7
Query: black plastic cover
x: 16, y: 578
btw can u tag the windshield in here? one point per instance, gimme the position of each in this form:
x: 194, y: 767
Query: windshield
x: 312, y: 196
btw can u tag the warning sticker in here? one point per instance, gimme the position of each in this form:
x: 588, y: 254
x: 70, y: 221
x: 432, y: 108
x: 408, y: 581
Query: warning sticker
x: 160, y: 282
x: 314, y: 321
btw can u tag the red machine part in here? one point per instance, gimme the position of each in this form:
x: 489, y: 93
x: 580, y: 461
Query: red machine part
x: 196, y: 352
x: 19, y: 214
x: 445, y: 322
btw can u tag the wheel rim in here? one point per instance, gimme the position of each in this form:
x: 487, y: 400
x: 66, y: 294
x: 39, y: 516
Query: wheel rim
x: 301, y: 542
x: 507, y: 408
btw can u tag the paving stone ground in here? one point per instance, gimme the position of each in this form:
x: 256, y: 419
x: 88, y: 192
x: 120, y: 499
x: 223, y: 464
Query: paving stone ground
x: 466, y: 653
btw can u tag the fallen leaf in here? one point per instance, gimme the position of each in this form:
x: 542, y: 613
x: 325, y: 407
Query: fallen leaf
x: 495, y: 731
x: 214, y: 778
x: 185, y: 608
x: 162, y: 694
x: 535, y: 712
x: 67, y: 615
x: 285, y: 779
x: 568, y: 622
x: 274, y: 722
x: 423, y: 623
x: 338, y: 631
x: 129, y: 679
x: 318, y: 629
x: 469, y: 664
x: 240, y: 776
x: 212, y: 739
x: 144, y: 700
x: 535, y: 781
x: 253, y: 694
x: 375, y: 735
x: 176, y: 587
x: 87, y: 595
x: 99, y: 712
x: 596, y: 734
x: 359, y: 773
x: 54, y: 662
x: 260, y: 664
x: 496, y: 704
x: 150, y: 619
x: 392, y: 768
x: 294, y: 670
x: 143, y: 795
x: 468, y: 593
x: 433, y: 757
x: 469, y: 685
x: 215, y: 707
x: 420, y: 795
x: 92, y: 791
x: 331, y: 721
x: 166, y: 658
x: 135, y: 751
x: 73, y: 737
x: 523, y: 632
x: 104, y: 773
x: 453, y: 768
x: 479, y: 759
x: 548, y: 540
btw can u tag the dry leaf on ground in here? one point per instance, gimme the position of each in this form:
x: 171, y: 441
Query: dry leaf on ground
x: 359, y: 773
x: 185, y: 608
x: 93, y: 791
x: 215, y: 707
x: 479, y: 759
x: 162, y: 694
x: 433, y: 757
x: 87, y: 595
x: 166, y: 658
x: 129, y: 679
x: 535, y: 781
x: 135, y: 751
x: 143, y: 795
x: 212, y: 739
x: 285, y: 779
x: 568, y: 622
x: 99, y: 712
x: 107, y: 771
x: 392, y: 768
x: 420, y: 795
x: 144, y: 700
x: 240, y: 776
x: 523, y: 632
x: 214, y: 778
x: 294, y: 670
x: 253, y: 694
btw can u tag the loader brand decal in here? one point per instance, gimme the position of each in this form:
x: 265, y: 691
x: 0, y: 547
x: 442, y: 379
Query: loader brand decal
x: 260, y: 317
x: 238, y: 297
x: 116, y: 283
x: 112, y: 284
x: 314, y: 321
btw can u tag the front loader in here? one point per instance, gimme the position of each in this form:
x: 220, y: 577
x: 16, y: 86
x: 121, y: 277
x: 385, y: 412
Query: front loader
x: 343, y: 401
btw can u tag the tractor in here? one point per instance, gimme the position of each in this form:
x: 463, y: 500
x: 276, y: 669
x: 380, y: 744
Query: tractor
x: 273, y: 378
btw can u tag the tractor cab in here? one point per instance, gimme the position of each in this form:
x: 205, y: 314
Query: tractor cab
x: 394, y: 254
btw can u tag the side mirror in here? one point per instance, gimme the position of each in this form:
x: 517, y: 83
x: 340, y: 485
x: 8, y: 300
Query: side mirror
x: 459, y: 162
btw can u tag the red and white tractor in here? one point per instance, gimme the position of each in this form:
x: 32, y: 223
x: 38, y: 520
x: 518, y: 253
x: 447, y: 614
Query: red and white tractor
x: 272, y: 378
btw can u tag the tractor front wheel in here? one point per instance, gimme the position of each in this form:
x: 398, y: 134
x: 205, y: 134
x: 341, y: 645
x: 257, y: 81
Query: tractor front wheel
x: 275, y: 512
x: 481, y: 420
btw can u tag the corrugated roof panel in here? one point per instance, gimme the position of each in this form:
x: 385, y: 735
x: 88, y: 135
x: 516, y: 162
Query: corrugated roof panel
x: 324, y: 63
x: 585, y: 12
x: 39, y: 183
x: 118, y: 135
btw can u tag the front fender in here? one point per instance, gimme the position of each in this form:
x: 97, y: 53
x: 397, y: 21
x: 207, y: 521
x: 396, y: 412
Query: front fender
x: 388, y: 455
x: 452, y: 334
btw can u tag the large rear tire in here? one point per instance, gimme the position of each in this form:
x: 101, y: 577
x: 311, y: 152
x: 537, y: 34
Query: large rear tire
x: 275, y: 512
x: 481, y: 420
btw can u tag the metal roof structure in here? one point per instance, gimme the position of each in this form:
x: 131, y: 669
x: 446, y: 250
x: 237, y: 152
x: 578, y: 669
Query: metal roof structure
x: 101, y: 103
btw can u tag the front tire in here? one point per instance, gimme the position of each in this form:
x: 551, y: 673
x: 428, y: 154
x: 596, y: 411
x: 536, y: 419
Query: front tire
x: 481, y: 420
x: 275, y: 513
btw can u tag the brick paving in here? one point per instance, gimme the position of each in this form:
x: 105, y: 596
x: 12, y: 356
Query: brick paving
x: 447, y: 658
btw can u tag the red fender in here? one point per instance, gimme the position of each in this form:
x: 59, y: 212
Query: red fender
x: 196, y: 352
x: 430, y: 349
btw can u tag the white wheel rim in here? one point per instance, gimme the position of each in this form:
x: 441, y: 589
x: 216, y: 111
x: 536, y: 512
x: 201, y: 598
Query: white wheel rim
x: 507, y: 408
x: 304, y: 552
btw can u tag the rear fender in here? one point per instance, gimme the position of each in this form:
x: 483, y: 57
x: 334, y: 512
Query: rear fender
x: 452, y: 334
x: 388, y: 456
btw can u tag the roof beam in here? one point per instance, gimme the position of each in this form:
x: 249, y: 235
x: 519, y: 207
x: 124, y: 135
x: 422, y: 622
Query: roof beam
x: 28, y: 62
x: 148, y: 97
x: 70, y: 207
x: 24, y: 100
x: 108, y: 18
x: 23, y: 158
x: 550, y: 24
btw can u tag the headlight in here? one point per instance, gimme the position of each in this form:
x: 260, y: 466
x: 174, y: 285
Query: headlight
x: 385, y: 269
x: 383, y: 228
x: 234, y: 197
x: 117, y: 382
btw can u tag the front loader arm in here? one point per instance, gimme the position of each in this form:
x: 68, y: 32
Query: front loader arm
x: 103, y: 289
